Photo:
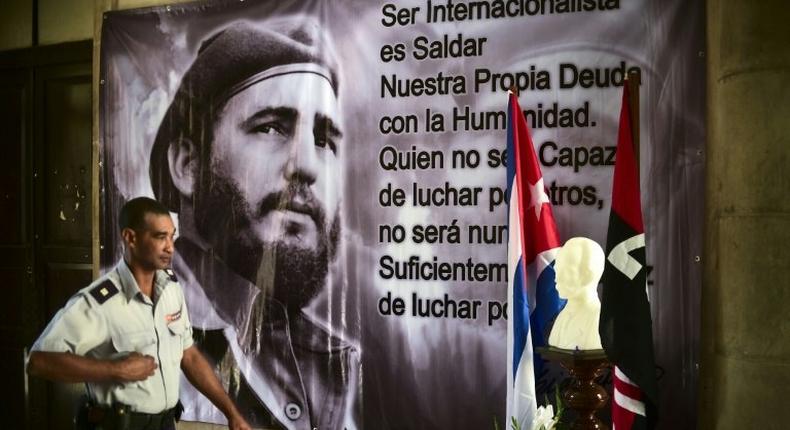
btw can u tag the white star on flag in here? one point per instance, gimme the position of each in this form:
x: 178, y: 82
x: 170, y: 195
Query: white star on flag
x: 538, y: 197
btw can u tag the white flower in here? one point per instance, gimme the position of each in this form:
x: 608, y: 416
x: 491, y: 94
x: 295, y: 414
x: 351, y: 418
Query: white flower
x: 544, y: 418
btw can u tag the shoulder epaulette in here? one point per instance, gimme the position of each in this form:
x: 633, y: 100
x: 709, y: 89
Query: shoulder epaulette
x: 104, y: 291
x: 171, y: 274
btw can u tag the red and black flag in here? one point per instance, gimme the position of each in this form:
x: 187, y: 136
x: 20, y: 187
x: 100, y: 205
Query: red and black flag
x: 626, y: 326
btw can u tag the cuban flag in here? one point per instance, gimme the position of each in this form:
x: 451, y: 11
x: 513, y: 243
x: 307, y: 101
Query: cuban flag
x: 533, y: 243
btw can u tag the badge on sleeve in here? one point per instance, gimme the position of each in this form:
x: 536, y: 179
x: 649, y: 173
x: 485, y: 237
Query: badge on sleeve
x: 104, y: 291
x: 175, y: 316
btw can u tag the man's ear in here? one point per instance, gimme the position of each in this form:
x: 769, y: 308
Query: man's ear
x: 128, y: 237
x: 183, y: 160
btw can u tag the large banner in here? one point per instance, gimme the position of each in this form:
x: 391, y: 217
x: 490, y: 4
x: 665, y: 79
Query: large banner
x: 337, y: 171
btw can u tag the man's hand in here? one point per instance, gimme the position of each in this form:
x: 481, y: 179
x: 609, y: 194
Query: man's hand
x: 238, y: 423
x: 134, y: 367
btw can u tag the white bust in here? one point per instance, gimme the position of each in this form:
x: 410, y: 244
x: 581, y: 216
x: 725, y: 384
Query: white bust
x: 578, y: 267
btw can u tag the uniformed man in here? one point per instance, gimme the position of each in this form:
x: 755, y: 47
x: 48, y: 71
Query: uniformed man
x: 248, y: 154
x: 128, y: 334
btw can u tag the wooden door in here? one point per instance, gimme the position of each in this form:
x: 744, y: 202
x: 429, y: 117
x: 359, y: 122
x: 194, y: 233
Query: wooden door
x: 45, y: 215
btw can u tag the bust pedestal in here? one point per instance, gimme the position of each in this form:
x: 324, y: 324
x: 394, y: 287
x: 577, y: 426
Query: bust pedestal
x: 582, y: 395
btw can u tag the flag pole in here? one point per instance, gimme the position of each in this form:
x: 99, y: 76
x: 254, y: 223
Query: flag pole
x: 514, y: 90
x: 633, y: 80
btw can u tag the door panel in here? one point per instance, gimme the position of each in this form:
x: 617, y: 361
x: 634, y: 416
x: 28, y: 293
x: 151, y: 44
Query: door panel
x: 62, y: 203
x: 14, y: 90
x: 66, y: 173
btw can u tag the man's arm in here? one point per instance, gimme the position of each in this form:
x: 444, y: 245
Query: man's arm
x: 201, y: 376
x: 68, y: 367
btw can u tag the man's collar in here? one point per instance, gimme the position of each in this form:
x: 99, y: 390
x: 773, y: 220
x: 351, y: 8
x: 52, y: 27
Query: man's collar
x: 129, y: 285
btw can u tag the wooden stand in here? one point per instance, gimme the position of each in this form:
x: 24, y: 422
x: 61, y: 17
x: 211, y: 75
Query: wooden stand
x: 582, y: 395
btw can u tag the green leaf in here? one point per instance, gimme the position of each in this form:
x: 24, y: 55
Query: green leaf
x: 558, y: 400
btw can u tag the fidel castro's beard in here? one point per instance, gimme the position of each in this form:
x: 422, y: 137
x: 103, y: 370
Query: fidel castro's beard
x: 291, y: 274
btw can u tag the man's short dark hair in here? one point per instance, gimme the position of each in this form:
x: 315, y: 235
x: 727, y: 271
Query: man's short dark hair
x: 226, y: 63
x: 134, y: 211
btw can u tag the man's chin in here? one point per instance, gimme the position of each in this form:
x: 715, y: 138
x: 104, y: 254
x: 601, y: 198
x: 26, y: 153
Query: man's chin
x: 299, y: 274
x: 159, y: 264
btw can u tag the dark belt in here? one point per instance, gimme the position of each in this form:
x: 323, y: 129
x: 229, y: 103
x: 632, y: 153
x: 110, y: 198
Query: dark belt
x: 161, y: 421
x: 121, y: 417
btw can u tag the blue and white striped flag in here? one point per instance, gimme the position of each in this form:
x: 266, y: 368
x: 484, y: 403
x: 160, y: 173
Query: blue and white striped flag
x: 533, y: 243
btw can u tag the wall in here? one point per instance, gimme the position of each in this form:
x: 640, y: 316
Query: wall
x: 63, y: 21
x: 16, y: 24
x: 745, y: 374
x: 58, y: 21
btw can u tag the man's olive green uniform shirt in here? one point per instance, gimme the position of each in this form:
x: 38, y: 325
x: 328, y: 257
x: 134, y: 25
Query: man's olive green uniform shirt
x: 110, y: 319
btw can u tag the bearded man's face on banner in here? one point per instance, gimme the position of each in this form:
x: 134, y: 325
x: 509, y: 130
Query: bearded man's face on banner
x: 271, y: 187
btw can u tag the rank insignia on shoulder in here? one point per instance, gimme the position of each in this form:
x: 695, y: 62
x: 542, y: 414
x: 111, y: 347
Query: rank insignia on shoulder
x: 171, y: 274
x: 104, y: 291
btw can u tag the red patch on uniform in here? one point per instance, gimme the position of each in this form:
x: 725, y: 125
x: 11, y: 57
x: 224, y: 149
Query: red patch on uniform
x: 175, y: 316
